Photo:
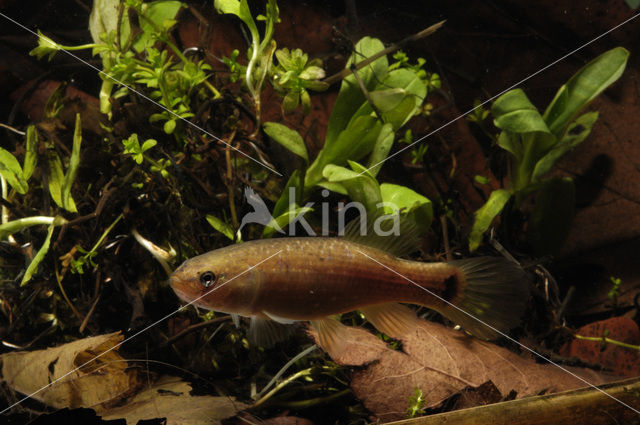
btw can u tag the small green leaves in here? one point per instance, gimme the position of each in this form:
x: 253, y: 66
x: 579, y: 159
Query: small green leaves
x: 133, y: 148
x: 157, y: 18
x: 485, y: 215
x: 288, y: 138
x: 293, y: 75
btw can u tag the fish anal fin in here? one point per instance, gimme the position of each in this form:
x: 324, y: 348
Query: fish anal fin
x: 395, y: 320
x: 332, y: 335
x: 266, y: 333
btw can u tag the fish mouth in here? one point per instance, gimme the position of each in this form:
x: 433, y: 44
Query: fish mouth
x: 178, y: 288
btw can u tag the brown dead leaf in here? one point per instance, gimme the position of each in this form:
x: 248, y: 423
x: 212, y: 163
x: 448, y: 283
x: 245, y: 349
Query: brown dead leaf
x: 486, y: 393
x: 169, y: 398
x: 442, y: 362
x: 99, y: 384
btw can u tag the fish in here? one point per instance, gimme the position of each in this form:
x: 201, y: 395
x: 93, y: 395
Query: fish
x: 293, y: 279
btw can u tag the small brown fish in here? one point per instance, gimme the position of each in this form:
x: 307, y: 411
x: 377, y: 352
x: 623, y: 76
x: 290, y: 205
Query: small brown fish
x: 315, y: 278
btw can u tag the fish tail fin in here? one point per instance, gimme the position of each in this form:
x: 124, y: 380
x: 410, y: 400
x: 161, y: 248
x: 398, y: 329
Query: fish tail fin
x: 494, y: 293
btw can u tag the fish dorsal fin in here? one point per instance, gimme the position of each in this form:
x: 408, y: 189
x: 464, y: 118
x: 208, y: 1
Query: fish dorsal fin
x: 266, y: 333
x: 392, y: 233
x: 395, y: 320
x: 332, y: 335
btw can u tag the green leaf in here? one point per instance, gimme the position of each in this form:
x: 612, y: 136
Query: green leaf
x: 290, y: 101
x: 400, y: 114
x: 333, y: 187
x: 352, y: 144
x: 485, y: 215
x: 220, y: 226
x: 241, y: 10
x: 72, y: 171
x: 416, y: 207
x: 169, y: 126
x: 514, y: 112
x: 31, y: 155
x: 633, y: 4
x: 156, y: 15
x: 56, y: 176
x: 535, y: 146
x: 37, y: 259
x: 103, y: 18
x: 387, y: 99
x: 381, y: 149
x: 576, y: 133
x: 350, y: 98
x: 10, y: 169
x: 415, y: 89
x: 549, y: 223
x: 511, y: 142
x: 361, y: 188
x: 288, y: 138
x: 148, y: 144
x: 583, y: 87
x: 282, y: 204
x: 284, y: 219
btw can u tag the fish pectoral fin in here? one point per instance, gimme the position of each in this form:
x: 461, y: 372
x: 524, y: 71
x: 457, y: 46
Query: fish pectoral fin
x: 236, y: 319
x: 332, y: 335
x: 393, y: 319
x: 279, y: 319
x: 266, y: 333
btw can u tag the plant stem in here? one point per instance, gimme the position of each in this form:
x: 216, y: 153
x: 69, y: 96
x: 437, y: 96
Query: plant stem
x: 20, y: 224
x: 303, y: 404
x: 282, y: 384
x: 216, y: 93
x: 229, y: 182
x: 605, y: 340
x: 285, y: 367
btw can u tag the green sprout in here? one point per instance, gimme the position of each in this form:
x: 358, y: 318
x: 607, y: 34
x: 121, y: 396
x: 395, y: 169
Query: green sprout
x: 132, y: 147
x: 416, y: 404
x: 614, y: 292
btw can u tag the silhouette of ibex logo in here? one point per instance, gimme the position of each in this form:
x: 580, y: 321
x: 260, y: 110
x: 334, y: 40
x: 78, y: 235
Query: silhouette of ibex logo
x: 260, y: 212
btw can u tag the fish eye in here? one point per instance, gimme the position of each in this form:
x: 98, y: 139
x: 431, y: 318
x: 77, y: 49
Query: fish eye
x: 207, y: 278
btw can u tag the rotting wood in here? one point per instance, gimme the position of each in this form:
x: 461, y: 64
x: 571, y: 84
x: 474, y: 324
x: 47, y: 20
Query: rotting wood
x: 585, y: 405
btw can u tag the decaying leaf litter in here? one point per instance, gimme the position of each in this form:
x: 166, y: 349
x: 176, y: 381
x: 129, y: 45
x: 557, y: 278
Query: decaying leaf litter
x: 162, y: 168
